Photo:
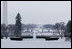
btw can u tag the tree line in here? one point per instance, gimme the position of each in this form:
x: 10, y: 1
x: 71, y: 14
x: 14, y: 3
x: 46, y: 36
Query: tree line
x: 18, y: 27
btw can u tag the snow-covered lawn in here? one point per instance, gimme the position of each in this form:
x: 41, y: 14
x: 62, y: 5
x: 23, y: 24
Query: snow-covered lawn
x: 38, y: 43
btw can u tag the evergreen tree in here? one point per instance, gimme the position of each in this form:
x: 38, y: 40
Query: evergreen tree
x: 68, y: 29
x: 68, y: 26
x: 18, y: 26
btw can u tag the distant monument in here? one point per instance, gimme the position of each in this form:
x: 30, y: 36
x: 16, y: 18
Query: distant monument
x: 5, y: 12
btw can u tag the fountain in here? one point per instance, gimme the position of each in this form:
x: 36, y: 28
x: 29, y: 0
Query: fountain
x: 34, y: 35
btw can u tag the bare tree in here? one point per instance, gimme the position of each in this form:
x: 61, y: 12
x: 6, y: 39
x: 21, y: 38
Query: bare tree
x: 4, y: 31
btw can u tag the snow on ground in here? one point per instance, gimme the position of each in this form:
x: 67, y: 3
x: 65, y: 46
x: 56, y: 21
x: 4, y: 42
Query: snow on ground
x: 38, y: 43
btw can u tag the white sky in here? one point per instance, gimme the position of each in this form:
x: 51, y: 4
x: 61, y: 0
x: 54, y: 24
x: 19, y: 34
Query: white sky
x: 44, y: 12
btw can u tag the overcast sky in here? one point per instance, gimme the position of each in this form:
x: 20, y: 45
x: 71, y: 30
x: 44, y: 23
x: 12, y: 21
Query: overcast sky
x: 44, y: 12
